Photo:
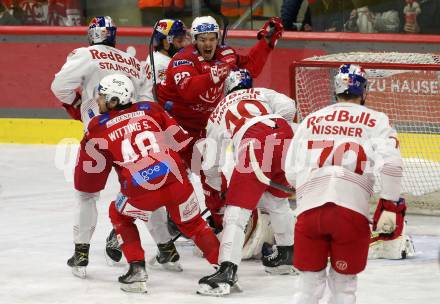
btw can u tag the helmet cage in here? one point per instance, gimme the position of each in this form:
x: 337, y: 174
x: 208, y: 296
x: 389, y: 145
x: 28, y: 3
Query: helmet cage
x: 168, y: 29
x: 102, y: 30
x: 351, y: 79
x: 238, y: 80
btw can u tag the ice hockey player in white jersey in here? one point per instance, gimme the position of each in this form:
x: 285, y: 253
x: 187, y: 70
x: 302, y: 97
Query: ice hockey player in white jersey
x: 75, y: 85
x: 331, y: 162
x: 259, y: 117
x: 168, y: 38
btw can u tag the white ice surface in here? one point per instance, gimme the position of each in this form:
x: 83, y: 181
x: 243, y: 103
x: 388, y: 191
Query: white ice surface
x: 36, y: 207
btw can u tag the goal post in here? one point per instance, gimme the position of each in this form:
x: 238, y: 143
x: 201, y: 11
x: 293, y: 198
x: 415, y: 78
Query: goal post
x: 405, y: 86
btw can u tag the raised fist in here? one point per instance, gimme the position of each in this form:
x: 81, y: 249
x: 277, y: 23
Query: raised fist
x: 271, y: 31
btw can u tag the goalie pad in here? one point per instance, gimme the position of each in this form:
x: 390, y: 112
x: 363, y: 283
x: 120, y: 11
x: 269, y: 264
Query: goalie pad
x: 258, y: 231
x: 395, y: 249
x: 389, y: 217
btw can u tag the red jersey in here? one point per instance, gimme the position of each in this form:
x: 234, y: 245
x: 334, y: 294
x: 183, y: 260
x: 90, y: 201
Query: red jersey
x: 190, y: 95
x: 142, y: 143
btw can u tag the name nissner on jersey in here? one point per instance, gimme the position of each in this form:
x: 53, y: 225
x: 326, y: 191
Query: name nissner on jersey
x: 117, y: 58
x: 343, y: 117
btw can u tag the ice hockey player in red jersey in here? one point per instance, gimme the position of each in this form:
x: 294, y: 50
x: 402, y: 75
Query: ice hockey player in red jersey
x: 262, y: 118
x: 195, y: 84
x: 332, y: 163
x: 74, y: 85
x: 195, y: 77
x: 169, y: 36
x: 142, y: 141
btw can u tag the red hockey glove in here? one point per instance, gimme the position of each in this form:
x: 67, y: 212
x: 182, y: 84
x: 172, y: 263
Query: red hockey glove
x: 214, y: 201
x: 74, y: 109
x: 219, y: 72
x: 271, y: 31
x: 389, y: 217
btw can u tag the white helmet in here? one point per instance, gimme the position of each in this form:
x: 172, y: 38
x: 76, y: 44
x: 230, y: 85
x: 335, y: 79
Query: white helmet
x: 202, y: 25
x: 117, y: 87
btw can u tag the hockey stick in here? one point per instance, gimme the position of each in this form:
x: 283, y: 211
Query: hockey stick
x: 153, y: 69
x: 261, y: 176
x: 225, y: 28
x: 180, y: 233
x: 225, y: 19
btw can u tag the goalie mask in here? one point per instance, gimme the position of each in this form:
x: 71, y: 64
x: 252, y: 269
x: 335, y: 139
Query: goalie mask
x: 102, y: 30
x: 168, y: 29
x: 238, y: 80
x: 117, y: 88
x: 351, y: 80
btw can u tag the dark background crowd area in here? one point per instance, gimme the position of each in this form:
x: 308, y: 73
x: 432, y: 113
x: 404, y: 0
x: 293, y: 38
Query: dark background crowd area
x: 364, y: 16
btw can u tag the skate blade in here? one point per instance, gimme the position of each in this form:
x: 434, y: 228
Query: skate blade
x: 281, y: 270
x: 223, y: 289
x: 79, y: 271
x: 170, y: 266
x: 136, y: 287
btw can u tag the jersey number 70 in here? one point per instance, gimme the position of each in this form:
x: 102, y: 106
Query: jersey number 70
x: 337, y: 153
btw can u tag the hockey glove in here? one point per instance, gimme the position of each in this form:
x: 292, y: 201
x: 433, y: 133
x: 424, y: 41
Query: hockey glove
x: 215, y: 202
x: 389, y: 217
x: 271, y: 31
x: 74, y: 109
x: 219, y: 72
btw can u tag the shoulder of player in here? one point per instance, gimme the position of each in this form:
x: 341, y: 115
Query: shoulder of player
x: 187, y: 55
x: 264, y: 91
x: 161, y: 61
x: 95, y: 52
x: 149, y: 107
x: 381, y: 117
x: 97, y: 124
x: 78, y: 52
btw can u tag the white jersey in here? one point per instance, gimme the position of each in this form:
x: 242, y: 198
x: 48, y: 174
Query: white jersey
x: 161, y: 62
x: 235, y: 114
x: 335, y: 153
x: 84, y: 69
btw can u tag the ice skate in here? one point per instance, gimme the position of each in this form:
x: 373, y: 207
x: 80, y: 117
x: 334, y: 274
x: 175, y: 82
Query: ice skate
x: 135, y: 280
x: 79, y: 260
x: 167, y: 258
x: 113, y: 252
x: 280, y: 261
x: 221, y: 283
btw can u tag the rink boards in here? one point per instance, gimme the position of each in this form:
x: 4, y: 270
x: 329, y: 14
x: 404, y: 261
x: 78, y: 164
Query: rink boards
x: 53, y: 131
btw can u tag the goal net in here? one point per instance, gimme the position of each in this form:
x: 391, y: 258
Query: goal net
x: 405, y: 86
